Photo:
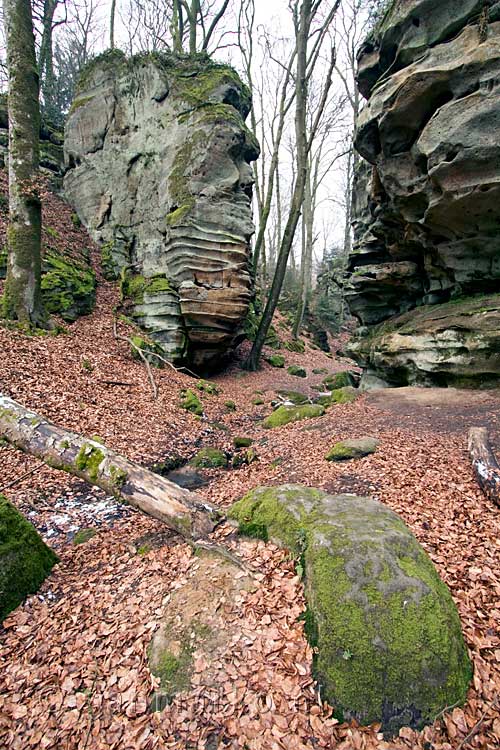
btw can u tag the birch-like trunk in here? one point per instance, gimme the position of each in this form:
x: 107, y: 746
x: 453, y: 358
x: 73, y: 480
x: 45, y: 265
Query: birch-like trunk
x: 181, y: 510
x: 22, y: 295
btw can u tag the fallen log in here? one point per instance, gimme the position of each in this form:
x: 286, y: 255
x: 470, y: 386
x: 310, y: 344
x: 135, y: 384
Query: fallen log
x: 181, y: 510
x: 484, y: 463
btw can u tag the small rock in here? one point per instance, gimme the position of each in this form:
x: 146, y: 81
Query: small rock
x: 348, y: 449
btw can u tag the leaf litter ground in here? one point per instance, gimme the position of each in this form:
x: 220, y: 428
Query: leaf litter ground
x: 73, y: 659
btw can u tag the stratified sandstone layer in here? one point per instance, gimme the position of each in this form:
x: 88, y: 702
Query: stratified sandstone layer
x: 427, y: 197
x: 158, y: 169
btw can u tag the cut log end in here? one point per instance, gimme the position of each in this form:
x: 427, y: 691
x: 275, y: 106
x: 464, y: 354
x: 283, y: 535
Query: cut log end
x: 484, y: 463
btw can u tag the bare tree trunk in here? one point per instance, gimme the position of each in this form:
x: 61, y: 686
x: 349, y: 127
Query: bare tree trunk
x: 22, y: 295
x: 302, y: 32
x: 306, y: 260
x: 181, y: 510
x: 46, y: 59
x: 193, y: 20
x: 484, y: 463
x: 112, y: 24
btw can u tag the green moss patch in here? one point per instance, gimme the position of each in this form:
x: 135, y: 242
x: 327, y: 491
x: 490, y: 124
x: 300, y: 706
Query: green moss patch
x: 390, y: 646
x: 209, y: 458
x: 149, y: 350
x: 339, y: 396
x: 191, y: 402
x: 206, y: 387
x: 298, y: 372
x: 286, y: 414
x: 230, y: 405
x: 242, y: 442
x: 338, y: 380
x: 345, y: 450
x: 25, y: 560
x: 296, y: 345
x: 83, y: 535
x: 295, y: 397
x: 68, y: 287
x: 275, y: 360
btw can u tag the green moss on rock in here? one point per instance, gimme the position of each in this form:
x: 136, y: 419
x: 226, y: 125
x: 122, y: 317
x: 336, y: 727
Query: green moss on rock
x: 339, y: 396
x: 209, y: 458
x: 242, y: 442
x: 149, y: 349
x: 298, y: 372
x: 295, y: 397
x: 207, y: 387
x: 275, y: 360
x: 191, y: 402
x: 68, y: 287
x: 348, y: 449
x: 25, y: 560
x: 389, y: 642
x: 338, y: 380
x: 286, y: 414
x: 83, y: 535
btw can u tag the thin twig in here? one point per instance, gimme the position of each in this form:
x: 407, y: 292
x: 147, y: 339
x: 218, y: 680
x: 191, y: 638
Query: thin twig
x: 477, y: 726
x: 23, y: 476
x: 138, y: 349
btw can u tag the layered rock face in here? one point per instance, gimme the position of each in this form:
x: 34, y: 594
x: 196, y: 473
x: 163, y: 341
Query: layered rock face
x: 158, y: 169
x: 427, y: 196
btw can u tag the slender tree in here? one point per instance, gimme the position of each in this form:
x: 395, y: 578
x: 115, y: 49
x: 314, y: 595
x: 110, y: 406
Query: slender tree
x: 112, y: 24
x: 307, y: 56
x: 22, y: 296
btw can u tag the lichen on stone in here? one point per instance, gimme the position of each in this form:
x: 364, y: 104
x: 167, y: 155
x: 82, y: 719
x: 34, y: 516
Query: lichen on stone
x: 390, y: 647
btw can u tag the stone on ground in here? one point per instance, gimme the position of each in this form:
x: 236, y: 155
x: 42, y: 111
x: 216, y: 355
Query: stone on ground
x: 25, y: 559
x: 389, y: 644
x: 348, y: 449
x: 286, y: 414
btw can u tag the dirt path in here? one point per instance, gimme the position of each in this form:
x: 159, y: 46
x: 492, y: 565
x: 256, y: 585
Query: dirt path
x: 73, y: 666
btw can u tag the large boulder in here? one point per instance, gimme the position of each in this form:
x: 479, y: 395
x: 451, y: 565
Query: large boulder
x: 25, y: 560
x: 453, y: 344
x: 427, y: 195
x: 388, y: 637
x: 158, y: 169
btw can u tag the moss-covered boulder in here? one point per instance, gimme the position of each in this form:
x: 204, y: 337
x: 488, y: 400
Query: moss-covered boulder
x: 275, y: 360
x: 25, y: 560
x: 242, y: 442
x: 338, y: 380
x: 298, y: 372
x: 206, y: 387
x: 191, y: 402
x: 339, y: 396
x: 68, y: 286
x: 388, y: 637
x: 295, y: 397
x: 209, y: 458
x: 345, y: 450
x: 286, y: 414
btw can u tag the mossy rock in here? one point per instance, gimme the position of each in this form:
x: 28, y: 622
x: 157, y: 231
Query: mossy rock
x: 244, y: 458
x: 298, y: 372
x: 230, y: 405
x: 206, y: 387
x: 275, y: 360
x: 345, y: 450
x: 338, y: 380
x: 339, y: 396
x: 209, y: 458
x: 295, y: 397
x: 286, y: 414
x: 242, y: 442
x: 83, y: 535
x: 295, y: 346
x: 258, y: 401
x: 68, y: 287
x: 320, y: 371
x: 387, y: 632
x: 25, y: 559
x: 191, y: 402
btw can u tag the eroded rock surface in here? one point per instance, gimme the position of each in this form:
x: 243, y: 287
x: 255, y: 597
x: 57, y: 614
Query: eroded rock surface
x: 158, y: 168
x: 427, y: 197
x: 389, y: 644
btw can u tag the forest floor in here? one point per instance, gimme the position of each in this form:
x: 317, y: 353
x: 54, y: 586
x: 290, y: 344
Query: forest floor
x: 73, y: 659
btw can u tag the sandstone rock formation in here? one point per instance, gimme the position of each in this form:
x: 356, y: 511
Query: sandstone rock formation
x: 427, y: 198
x: 158, y: 169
